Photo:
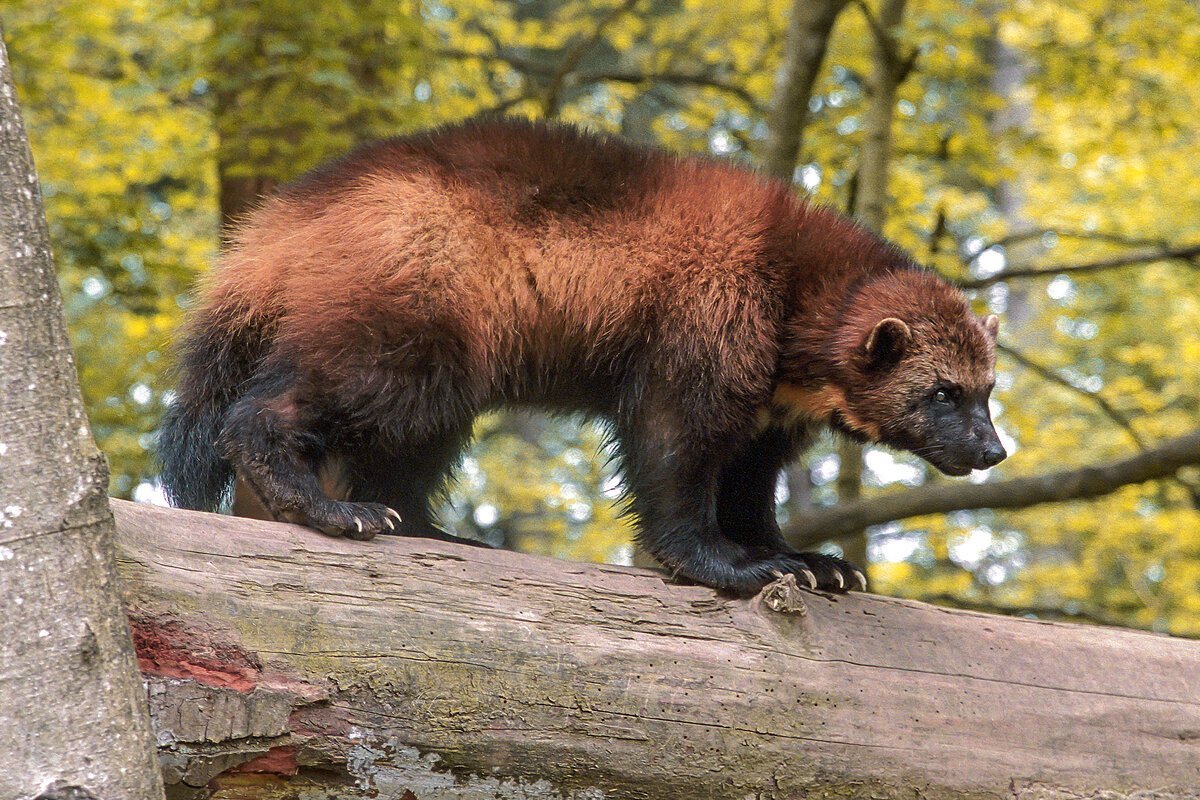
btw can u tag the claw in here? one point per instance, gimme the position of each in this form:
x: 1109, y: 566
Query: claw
x: 777, y: 573
x: 394, y: 513
x: 388, y: 521
x: 841, y: 581
x: 358, y: 524
x: 862, y: 580
x: 812, y: 579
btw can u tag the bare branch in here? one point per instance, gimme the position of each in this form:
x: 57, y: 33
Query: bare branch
x: 1066, y: 233
x: 939, y: 230
x: 1109, y: 411
x: 907, y: 64
x: 673, y: 78
x: 882, y: 38
x: 1092, y: 615
x: 1161, y: 461
x: 518, y: 63
x: 571, y: 60
x: 1189, y: 253
x: 899, y: 64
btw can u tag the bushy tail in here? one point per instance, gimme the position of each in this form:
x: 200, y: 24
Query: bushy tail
x: 214, y: 361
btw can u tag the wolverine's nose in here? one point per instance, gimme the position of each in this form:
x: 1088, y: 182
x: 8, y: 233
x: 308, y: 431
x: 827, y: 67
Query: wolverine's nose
x: 992, y: 454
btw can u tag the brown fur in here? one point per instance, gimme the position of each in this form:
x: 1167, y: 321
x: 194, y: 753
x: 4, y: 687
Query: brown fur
x: 391, y: 296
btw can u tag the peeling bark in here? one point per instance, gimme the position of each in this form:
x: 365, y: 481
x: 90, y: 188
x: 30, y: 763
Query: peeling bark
x: 72, y: 712
x: 285, y: 664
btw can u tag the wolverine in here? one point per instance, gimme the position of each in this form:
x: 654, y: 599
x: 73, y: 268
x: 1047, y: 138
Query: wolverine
x: 365, y: 315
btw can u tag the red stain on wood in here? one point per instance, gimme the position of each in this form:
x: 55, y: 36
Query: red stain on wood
x: 167, y: 648
x: 318, y: 720
x: 276, y: 761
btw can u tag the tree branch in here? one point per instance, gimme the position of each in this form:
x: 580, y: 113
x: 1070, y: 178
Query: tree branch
x: 571, y: 60
x: 1189, y: 253
x: 673, y: 78
x: 883, y: 39
x: 1087, y: 614
x: 518, y: 63
x: 899, y: 64
x: 1107, y: 408
x: 1066, y: 233
x: 1161, y: 461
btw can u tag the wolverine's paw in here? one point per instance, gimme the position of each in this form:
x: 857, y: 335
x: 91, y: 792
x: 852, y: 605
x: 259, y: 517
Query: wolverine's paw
x: 834, y: 574
x: 819, y: 571
x: 354, y: 520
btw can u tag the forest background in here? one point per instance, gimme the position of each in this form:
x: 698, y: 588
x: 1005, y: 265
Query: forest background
x: 1045, y: 155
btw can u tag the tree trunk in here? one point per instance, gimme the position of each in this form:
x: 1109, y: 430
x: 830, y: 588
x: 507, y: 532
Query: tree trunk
x: 285, y: 664
x: 73, y: 720
x: 809, y: 28
x: 803, y: 53
x: 889, y: 68
x: 1009, y: 73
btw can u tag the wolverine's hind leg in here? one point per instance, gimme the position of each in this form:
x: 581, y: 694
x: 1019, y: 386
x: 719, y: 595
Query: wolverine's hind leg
x: 411, y: 478
x: 276, y: 436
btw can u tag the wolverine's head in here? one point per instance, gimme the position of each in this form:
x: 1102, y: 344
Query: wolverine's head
x: 915, y: 371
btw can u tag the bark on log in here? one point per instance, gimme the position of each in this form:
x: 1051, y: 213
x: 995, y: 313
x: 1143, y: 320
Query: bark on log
x: 282, y: 663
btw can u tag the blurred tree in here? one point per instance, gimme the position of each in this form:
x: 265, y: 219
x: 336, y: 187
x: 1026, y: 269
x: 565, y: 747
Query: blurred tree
x: 891, y: 63
x: 123, y: 142
x: 291, y: 90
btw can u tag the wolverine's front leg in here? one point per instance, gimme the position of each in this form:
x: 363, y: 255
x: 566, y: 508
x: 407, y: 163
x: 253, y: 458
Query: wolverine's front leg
x: 746, y: 507
x: 273, y: 439
x: 749, y: 480
x: 673, y: 474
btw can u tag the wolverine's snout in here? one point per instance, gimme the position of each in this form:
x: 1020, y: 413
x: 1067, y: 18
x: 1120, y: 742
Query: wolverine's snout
x: 991, y: 451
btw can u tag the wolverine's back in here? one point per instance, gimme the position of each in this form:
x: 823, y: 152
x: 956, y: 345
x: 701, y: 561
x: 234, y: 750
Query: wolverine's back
x: 526, y: 244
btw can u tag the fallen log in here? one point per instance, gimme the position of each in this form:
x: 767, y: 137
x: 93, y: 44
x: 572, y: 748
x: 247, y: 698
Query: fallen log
x: 284, y: 664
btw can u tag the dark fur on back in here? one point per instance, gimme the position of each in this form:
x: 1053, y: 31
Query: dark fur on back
x: 367, y: 313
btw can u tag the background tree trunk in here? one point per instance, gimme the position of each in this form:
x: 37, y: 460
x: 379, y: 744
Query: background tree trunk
x: 285, y: 664
x: 73, y: 720
x: 809, y: 30
x: 804, y: 49
x: 889, y: 68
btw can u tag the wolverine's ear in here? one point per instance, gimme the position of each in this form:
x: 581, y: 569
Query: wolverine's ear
x: 887, y: 342
x: 991, y: 324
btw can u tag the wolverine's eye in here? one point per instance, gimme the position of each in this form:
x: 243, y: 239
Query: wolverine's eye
x: 943, y: 397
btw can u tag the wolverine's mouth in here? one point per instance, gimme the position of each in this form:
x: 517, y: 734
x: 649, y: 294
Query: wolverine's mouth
x: 953, y: 470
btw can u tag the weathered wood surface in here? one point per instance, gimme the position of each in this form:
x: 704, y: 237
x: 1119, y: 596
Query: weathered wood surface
x: 282, y: 663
